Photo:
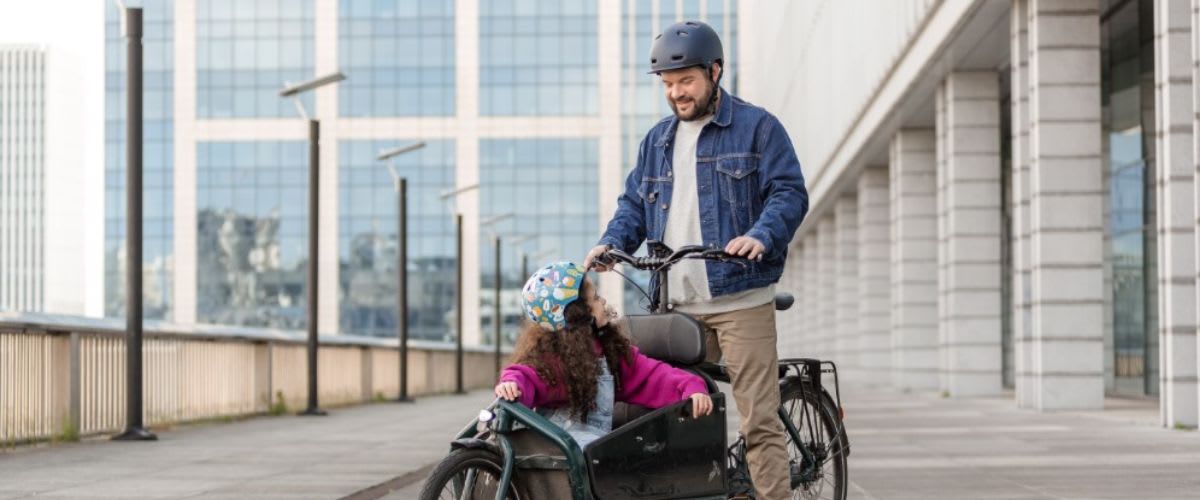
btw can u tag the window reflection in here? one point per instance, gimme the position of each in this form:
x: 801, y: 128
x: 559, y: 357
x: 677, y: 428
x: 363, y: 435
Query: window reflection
x: 251, y: 233
x: 367, y: 242
x: 1128, y: 98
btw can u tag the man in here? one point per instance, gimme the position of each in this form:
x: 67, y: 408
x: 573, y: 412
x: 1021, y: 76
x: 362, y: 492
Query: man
x: 720, y: 173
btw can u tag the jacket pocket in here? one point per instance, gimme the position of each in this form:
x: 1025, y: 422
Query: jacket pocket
x: 737, y: 178
x: 650, y: 190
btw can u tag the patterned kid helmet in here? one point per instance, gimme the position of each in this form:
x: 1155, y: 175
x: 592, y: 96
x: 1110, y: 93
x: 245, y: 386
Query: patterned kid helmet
x: 548, y: 291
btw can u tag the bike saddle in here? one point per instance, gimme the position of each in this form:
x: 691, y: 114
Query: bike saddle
x: 784, y: 301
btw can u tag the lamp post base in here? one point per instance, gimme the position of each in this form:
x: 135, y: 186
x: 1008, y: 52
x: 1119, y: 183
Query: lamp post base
x: 135, y: 434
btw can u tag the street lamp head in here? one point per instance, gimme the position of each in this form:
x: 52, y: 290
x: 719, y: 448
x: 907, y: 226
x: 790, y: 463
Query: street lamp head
x: 450, y: 193
x: 496, y: 218
x: 292, y: 90
x: 388, y: 154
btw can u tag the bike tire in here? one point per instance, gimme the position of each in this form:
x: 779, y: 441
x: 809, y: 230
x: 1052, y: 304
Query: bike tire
x: 458, y: 463
x: 830, y: 435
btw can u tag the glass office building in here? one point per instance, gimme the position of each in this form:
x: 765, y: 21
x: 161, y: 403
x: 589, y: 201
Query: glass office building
x: 509, y: 95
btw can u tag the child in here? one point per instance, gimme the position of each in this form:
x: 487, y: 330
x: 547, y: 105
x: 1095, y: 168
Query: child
x: 572, y: 363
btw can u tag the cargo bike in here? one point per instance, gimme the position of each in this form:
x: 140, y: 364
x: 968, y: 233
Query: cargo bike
x: 512, y: 452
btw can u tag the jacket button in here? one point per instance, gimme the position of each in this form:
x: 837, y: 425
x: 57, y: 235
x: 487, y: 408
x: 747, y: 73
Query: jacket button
x: 669, y: 173
x: 664, y: 206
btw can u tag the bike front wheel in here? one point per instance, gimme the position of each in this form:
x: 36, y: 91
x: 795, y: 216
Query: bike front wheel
x: 468, y: 474
x: 818, y: 456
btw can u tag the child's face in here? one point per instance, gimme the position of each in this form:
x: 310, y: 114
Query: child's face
x: 597, y: 304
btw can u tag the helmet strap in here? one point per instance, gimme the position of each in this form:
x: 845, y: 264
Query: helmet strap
x: 712, y: 99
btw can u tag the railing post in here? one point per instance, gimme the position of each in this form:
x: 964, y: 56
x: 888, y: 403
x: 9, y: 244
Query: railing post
x: 367, y: 374
x: 75, y: 405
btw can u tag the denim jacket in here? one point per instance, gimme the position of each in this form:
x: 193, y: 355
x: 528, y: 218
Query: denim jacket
x: 749, y: 184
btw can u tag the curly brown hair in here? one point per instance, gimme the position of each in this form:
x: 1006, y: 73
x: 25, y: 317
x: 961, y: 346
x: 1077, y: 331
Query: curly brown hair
x: 568, y: 356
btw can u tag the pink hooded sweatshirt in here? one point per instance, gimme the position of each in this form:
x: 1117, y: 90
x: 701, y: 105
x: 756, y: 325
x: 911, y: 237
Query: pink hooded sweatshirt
x: 644, y: 382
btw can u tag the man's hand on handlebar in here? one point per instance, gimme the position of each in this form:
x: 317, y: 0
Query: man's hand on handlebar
x: 745, y: 246
x: 595, y: 259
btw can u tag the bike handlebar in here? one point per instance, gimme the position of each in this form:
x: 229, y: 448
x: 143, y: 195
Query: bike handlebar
x: 658, y: 263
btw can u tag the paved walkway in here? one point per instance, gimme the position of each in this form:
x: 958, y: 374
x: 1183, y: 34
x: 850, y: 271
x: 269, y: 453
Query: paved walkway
x: 904, y: 447
x: 270, y: 457
x: 925, y: 447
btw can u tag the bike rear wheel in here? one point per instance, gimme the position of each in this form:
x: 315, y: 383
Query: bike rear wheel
x: 818, y: 460
x: 467, y: 474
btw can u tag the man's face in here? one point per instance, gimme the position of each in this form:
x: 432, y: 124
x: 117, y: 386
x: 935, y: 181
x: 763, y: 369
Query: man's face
x: 689, y: 91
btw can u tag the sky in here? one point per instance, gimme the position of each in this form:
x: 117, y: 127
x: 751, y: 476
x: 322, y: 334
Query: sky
x: 71, y: 32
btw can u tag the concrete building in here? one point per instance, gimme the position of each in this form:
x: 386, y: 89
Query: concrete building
x: 541, y: 103
x: 1018, y: 179
x: 51, y: 165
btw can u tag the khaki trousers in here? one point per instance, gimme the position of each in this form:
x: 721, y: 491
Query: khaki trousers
x: 746, y: 338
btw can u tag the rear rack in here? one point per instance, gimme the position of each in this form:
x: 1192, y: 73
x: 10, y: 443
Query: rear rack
x: 812, y: 369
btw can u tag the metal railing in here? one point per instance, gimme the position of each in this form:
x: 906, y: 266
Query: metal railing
x: 63, y: 377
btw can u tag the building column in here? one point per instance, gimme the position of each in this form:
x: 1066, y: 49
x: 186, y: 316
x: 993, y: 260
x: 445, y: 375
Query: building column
x: 969, y: 233
x: 812, y: 291
x: 787, y: 323
x: 914, y: 260
x: 325, y: 100
x: 1174, y: 167
x: 823, y: 341
x: 845, y: 331
x: 466, y: 157
x: 1021, y: 289
x: 1195, y: 37
x: 874, y: 269
x: 610, y: 178
x: 1066, y: 198
x: 184, y: 260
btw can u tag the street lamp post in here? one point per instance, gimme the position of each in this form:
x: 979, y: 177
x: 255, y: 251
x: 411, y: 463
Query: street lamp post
x: 458, y: 318
x: 134, y: 426
x: 496, y: 281
x: 314, y: 155
x: 401, y: 185
x: 513, y: 240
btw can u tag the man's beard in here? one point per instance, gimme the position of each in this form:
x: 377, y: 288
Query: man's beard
x: 700, y: 107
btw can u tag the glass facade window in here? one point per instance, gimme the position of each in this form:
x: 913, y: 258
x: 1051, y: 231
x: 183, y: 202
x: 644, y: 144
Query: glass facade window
x: 157, y: 160
x: 367, y: 239
x: 538, y: 58
x: 401, y: 56
x: 551, y: 187
x: 246, y: 50
x: 252, y: 233
x: 1127, y: 70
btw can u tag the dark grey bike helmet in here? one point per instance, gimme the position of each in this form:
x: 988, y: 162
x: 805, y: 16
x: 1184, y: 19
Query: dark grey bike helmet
x: 686, y: 44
